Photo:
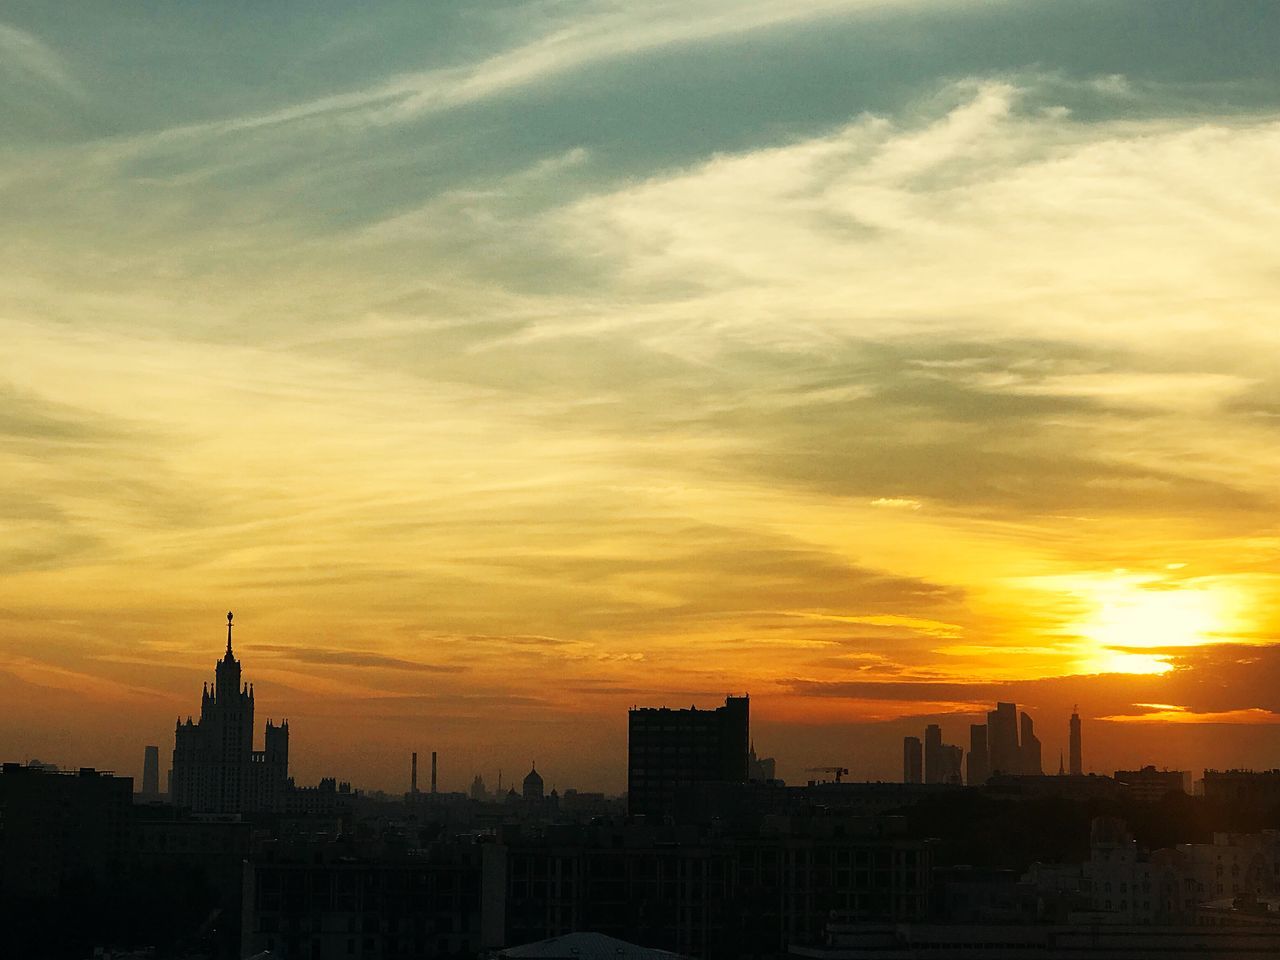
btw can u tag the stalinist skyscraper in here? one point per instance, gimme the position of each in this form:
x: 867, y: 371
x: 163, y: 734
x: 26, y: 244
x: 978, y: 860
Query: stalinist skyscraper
x: 215, y: 768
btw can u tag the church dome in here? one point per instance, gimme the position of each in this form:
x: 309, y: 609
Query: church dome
x: 533, y: 785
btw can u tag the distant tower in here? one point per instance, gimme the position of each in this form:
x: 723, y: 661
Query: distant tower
x: 1032, y: 764
x: 1002, y: 739
x: 979, y: 759
x: 1077, y: 764
x: 151, y: 771
x: 433, y: 771
x: 413, y: 775
x: 933, y: 754
x: 912, y: 760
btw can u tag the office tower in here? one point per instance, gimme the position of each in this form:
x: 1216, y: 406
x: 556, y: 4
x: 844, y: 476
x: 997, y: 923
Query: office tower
x: 950, y: 763
x: 912, y: 760
x: 668, y: 750
x: 215, y: 768
x: 1029, y: 751
x: 979, y: 761
x: 1002, y: 739
x: 151, y: 771
x: 1077, y: 763
x: 933, y: 754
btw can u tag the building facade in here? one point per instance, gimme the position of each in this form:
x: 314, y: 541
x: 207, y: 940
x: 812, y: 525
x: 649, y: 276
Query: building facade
x: 912, y: 760
x: 670, y: 750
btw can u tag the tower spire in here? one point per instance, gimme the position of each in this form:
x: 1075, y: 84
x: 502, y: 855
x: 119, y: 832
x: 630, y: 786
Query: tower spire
x: 229, y: 615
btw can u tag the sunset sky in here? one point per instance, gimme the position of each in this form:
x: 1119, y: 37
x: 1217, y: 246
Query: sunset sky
x: 503, y: 365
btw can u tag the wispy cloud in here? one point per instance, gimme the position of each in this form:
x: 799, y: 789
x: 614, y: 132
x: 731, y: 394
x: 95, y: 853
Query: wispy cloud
x: 351, y: 658
x: 25, y: 58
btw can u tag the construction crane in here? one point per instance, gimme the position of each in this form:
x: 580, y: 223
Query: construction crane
x: 838, y: 772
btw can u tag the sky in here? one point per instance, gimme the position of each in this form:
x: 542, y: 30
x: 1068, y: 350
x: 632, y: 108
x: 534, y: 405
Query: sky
x: 506, y: 365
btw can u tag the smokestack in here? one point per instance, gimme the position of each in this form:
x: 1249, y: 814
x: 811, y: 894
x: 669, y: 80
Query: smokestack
x: 433, y: 771
x: 413, y: 781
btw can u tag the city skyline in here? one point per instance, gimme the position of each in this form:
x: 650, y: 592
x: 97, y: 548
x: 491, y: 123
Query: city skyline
x: 220, y: 740
x: 509, y: 365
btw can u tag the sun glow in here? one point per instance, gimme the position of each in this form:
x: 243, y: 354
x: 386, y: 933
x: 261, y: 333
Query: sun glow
x: 1132, y: 614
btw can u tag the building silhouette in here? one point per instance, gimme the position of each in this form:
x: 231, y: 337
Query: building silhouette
x: 61, y: 831
x: 215, y: 768
x: 151, y: 771
x: 912, y: 760
x: 1029, y: 751
x: 761, y: 768
x: 1074, y: 749
x: 669, y: 751
x: 1002, y: 739
x: 943, y: 762
x: 532, y: 788
x: 933, y: 753
x: 1149, y: 785
x: 979, y: 768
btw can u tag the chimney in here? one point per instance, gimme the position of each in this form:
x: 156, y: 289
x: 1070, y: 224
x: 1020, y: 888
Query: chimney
x: 433, y: 771
x: 413, y: 781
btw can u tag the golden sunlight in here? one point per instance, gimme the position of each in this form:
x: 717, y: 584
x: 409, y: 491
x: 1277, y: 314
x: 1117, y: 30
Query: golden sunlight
x: 1133, y: 613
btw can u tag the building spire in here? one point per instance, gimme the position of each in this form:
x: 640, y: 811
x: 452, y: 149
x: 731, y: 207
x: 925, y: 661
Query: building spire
x: 229, y: 615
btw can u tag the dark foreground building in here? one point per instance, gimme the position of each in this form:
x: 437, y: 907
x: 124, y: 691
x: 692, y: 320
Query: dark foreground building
x: 327, y: 900
x: 671, y: 750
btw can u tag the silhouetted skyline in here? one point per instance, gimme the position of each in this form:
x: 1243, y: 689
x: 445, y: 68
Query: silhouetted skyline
x: 504, y: 365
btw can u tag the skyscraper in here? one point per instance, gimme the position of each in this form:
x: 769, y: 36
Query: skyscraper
x: 668, y: 750
x: 979, y: 761
x: 151, y: 771
x: 912, y: 760
x: 950, y: 764
x: 933, y: 754
x: 1029, y: 751
x: 215, y: 768
x: 1076, y: 759
x: 1002, y: 739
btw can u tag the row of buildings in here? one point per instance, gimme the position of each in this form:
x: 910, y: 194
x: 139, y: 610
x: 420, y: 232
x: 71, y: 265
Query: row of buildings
x: 1006, y: 745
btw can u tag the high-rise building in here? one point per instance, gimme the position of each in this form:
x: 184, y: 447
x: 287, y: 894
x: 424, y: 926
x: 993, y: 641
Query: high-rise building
x: 1002, y: 739
x: 670, y: 750
x: 1076, y: 760
x: 912, y: 760
x: 950, y: 764
x: 215, y: 768
x: 933, y: 754
x: 1029, y: 750
x: 151, y: 772
x: 61, y: 833
x: 979, y: 760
